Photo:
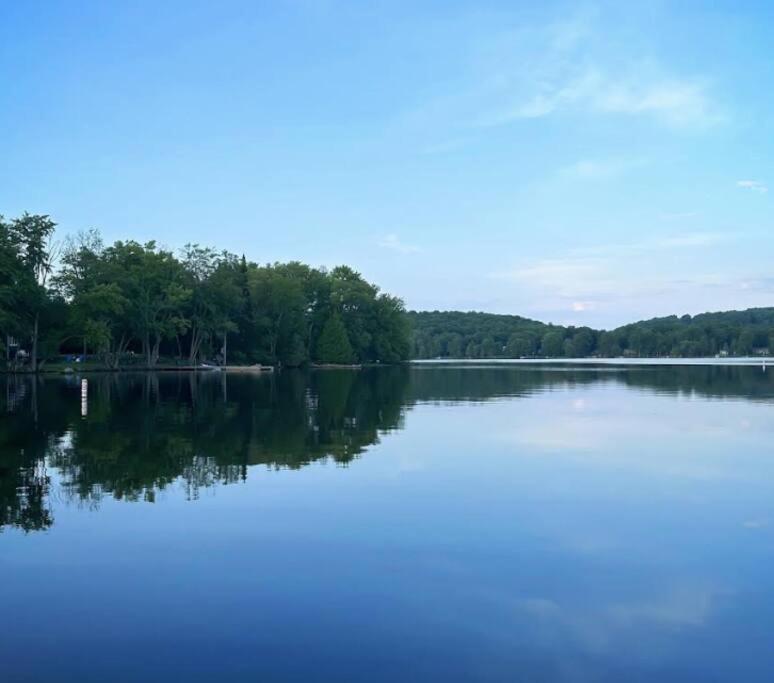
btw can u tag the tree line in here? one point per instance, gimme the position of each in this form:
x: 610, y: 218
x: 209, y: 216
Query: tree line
x: 139, y: 304
x: 453, y: 334
x: 129, y: 302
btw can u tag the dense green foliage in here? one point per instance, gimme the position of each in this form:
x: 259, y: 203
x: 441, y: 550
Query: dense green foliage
x: 333, y: 345
x: 138, y: 303
x: 483, y: 335
x: 132, y: 303
x: 25, y: 265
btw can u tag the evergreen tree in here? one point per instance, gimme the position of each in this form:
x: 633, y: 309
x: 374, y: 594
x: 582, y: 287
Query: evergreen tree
x: 333, y: 346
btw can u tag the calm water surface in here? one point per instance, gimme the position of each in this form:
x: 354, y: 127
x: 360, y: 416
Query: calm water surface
x: 399, y: 524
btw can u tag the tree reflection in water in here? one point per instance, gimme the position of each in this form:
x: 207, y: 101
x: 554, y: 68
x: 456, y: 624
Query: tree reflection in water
x: 144, y: 432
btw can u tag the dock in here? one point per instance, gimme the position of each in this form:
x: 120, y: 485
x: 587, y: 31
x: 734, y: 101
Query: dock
x: 247, y: 368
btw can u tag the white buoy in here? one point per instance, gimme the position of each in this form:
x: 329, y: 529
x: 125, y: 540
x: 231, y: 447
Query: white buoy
x: 84, y: 397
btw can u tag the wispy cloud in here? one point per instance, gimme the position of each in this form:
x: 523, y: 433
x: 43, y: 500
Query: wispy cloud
x: 586, y: 279
x: 677, y: 102
x: 564, y: 67
x: 391, y: 241
x: 754, y: 185
x: 573, y: 278
x: 580, y: 67
x: 586, y: 261
x: 762, y: 284
x: 674, y: 101
x: 552, y: 270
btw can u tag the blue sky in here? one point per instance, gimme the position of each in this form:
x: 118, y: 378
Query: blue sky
x: 585, y: 163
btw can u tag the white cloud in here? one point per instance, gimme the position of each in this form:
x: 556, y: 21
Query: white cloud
x: 754, y: 185
x: 392, y: 242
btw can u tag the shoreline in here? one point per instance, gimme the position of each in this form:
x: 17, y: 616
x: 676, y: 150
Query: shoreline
x: 763, y: 361
x: 76, y: 370
x: 698, y: 361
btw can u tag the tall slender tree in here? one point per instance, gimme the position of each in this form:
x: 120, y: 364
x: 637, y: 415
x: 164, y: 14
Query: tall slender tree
x: 32, y: 234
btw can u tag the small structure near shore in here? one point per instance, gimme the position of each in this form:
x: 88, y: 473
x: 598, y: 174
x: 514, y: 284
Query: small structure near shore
x: 247, y: 368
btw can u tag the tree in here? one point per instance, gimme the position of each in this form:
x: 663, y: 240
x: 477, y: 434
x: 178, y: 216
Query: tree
x: 581, y: 344
x: 36, y: 255
x: 216, y: 296
x: 433, y: 332
x: 552, y: 344
x: 490, y: 348
x: 608, y: 345
x: 390, y: 334
x: 744, y: 344
x: 519, y: 346
x: 15, y: 280
x: 129, y: 297
x: 354, y: 298
x: 334, y: 346
x: 98, y: 289
x: 280, y: 306
x: 159, y: 295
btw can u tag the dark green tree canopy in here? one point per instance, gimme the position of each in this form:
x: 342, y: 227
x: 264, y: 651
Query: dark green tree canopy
x: 333, y: 345
x: 453, y: 334
x: 133, y: 303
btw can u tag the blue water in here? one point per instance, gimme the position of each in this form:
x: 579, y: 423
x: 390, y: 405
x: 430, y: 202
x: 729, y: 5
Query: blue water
x: 409, y: 524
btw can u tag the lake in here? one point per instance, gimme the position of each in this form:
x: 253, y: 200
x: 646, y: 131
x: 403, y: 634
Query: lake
x: 420, y: 523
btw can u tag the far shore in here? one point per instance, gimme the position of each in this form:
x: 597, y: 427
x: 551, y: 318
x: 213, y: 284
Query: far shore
x: 727, y: 360
x: 748, y: 361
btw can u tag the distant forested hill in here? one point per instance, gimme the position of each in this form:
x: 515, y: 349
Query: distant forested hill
x: 453, y: 334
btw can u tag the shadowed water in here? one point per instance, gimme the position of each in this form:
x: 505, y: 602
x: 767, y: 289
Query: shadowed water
x: 455, y: 523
